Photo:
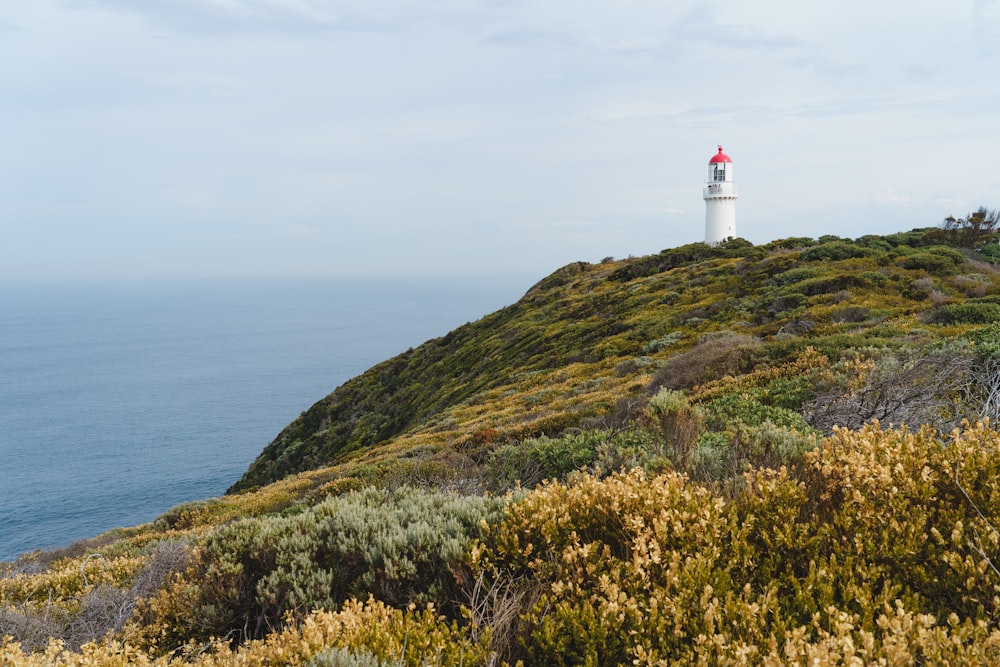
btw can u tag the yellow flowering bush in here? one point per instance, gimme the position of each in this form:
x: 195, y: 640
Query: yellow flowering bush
x: 413, y: 637
x: 881, y: 546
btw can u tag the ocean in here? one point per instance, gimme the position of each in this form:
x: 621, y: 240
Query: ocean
x: 120, y: 400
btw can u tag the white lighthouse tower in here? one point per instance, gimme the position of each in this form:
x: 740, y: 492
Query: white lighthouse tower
x: 720, y: 200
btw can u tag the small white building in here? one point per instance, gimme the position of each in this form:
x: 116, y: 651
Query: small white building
x: 720, y: 200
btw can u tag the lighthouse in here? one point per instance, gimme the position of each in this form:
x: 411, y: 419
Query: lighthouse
x: 720, y: 200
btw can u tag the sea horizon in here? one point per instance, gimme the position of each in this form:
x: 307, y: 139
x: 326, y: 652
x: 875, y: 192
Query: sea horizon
x: 123, y: 398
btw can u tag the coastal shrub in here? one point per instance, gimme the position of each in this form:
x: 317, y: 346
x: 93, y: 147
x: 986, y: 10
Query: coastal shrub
x: 793, y: 391
x: 710, y: 461
x: 786, y: 300
x: 965, y: 313
x: 32, y: 626
x: 401, y: 546
x: 746, y: 409
x: 663, y: 342
x: 676, y: 425
x: 358, y: 634
x: 826, y: 284
x: 342, y: 657
x: 528, y: 463
x: 925, y: 510
x: 630, y: 366
x: 773, y: 446
x: 986, y: 342
x: 836, y: 250
x: 991, y: 251
x: 796, y: 275
x: 712, y: 358
x: 977, y: 228
x: 973, y: 285
x: 725, y: 456
x: 936, y: 260
x: 906, y: 387
x: 790, y: 243
x: 883, y: 552
x: 850, y: 314
x: 532, y: 461
x: 586, y: 541
x: 873, y: 278
x: 101, y: 604
x: 911, y: 239
x: 872, y: 241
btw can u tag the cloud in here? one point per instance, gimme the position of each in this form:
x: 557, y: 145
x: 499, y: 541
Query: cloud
x: 581, y: 124
x: 301, y: 17
x: 891, y: 196
x: 215, y: 16
x: 940, y: 201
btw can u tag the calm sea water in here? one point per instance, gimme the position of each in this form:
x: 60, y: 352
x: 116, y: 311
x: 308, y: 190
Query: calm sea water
x: 119, y: 401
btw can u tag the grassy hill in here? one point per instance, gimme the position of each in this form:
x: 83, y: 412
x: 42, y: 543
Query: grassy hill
x: 591, y: 336
x: 753, y: 453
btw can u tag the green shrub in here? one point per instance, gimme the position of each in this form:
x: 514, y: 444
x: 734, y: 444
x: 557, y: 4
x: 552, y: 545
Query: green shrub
x: 772, y: 446
x: 725, y: 457
x: 874, y: 242
x: 991, y: 251
x: 787, y: 300
x: 663, y: 342
x: 966, y: 313
x: 747, y: 410
x: 911, y: 239
x: 342, y: 657
x: 676, y: 425
x: 827, y: 284
x: 402, y: 546
x: 790, y: 393
x: 710, y: 457
x: 986, y: 342
x: 835, y: 251
x: 936, y: 260
x: 791, y: 243
x: 796, y: 275
x: 873, y: 278
x: 537, y: 459
x: 630, y: 366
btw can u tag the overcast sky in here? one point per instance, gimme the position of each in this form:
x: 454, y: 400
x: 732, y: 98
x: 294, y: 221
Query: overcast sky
x: 197, y: 138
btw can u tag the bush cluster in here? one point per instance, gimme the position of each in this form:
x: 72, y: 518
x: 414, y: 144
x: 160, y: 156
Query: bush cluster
x: 249, y: 577
x: 711, y: 359
x: 935, y: 260
x: 876, y: 552
x: 965, y: 313
x: 837, y: 250
x: 879, y: 548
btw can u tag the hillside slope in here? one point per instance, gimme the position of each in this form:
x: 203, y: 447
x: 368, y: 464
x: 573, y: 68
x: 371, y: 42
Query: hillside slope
x: 590, y: 335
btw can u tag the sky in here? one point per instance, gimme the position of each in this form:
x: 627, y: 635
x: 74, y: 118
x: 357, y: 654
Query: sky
x: 300, y: 138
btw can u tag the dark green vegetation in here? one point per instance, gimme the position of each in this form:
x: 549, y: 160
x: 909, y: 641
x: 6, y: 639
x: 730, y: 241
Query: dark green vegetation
x: 716, y: 491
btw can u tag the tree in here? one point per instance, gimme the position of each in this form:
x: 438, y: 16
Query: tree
x: 973, y: 230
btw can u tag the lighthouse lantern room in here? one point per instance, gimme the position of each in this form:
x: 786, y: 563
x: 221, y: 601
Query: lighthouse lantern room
x: 720, y: 200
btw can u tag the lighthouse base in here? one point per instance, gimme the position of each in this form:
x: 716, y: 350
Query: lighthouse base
x: 720, y: 220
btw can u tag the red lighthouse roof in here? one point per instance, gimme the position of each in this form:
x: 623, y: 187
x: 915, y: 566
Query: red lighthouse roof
x: 720, y: 157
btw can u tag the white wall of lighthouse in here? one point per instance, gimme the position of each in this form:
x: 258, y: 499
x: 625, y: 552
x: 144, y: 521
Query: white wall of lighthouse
x: 720, y: 200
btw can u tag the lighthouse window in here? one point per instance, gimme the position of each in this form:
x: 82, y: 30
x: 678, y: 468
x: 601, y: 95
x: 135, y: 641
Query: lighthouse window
x: 720, y: 173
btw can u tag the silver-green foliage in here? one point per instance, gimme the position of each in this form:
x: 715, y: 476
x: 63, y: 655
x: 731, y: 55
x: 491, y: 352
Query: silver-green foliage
x: 341, y: 657
x: 400, y: 546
